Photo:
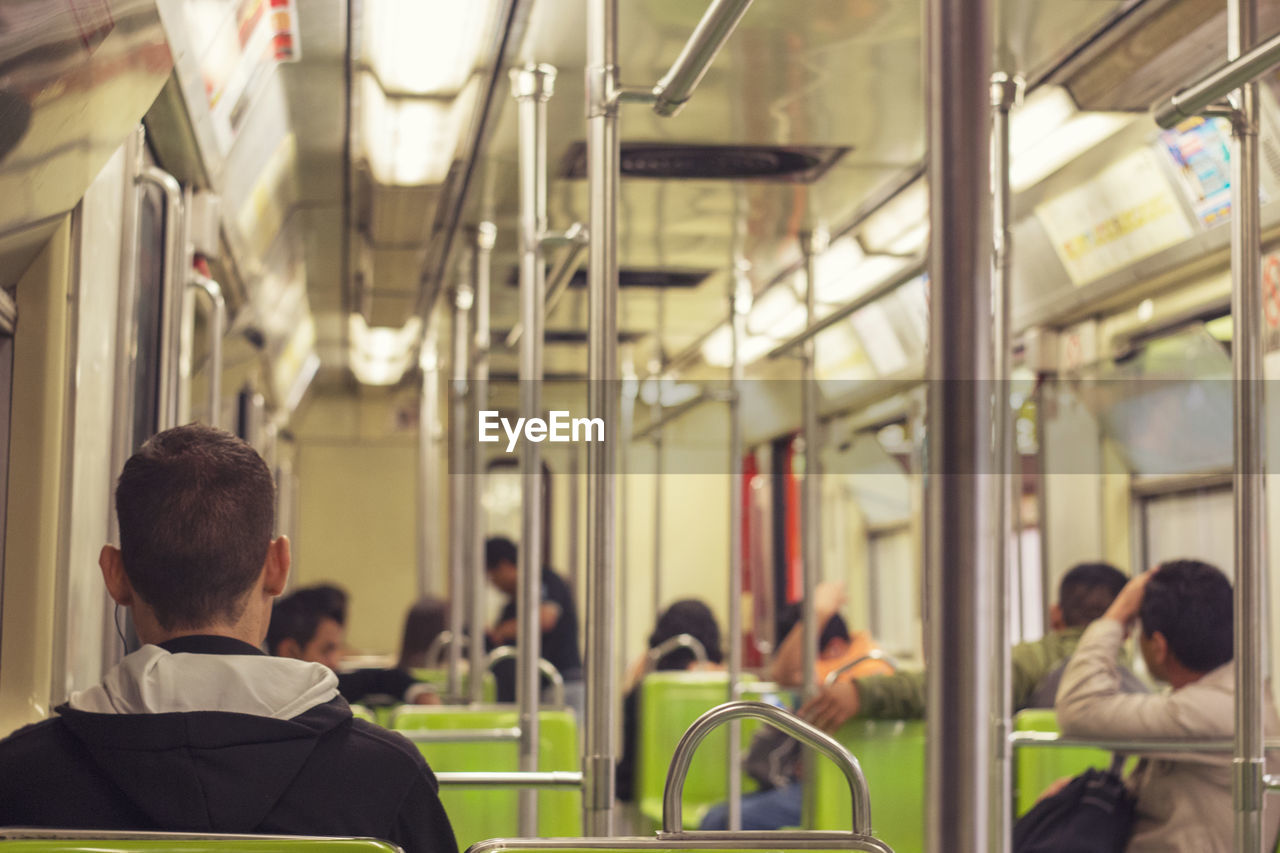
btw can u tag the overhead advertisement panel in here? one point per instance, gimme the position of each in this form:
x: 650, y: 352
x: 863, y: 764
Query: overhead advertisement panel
x: 1125, y: 213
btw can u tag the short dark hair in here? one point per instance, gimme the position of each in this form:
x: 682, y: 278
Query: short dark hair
x: 498, y: 550
x: 1190, y: 603
x: 332, y: 598
x: 196, y: 507
x: 1087, y: 591
x: 790, y: 616
x: 297, y: 616
x: 687, y: 616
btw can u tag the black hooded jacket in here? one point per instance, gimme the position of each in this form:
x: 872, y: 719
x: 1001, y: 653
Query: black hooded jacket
x: 319, y: 772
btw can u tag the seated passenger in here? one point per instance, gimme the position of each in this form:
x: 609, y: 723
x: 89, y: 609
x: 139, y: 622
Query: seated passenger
x: 774, y: 757
x: 307, y: 625
x: 1185, y: 608
x: 425, y: 622
x: 198, y: 731
x: 1083, y: 595
x: 688, y: 616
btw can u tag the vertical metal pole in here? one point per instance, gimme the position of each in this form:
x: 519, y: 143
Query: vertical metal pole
x: 957, y: 512
x: 1004, y: 93
x: 429, y: 457
x: 659, y: 456
x: 811, y: 496
x: 810, y: 501
x: 480, y: 269
x: 459, y: 502
x: 574, y: 470
x: 739, y: 301
x: 1249, y: 441
x: 532, y: 87
x: 603, y: 174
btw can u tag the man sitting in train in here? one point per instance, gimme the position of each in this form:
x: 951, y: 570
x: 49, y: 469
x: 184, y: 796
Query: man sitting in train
x: 557, y: 616
x: 837, y: 648
x: 198, y: 731
x: 1183, y: 801
x: 309, y: 625
x: 1083, y: 595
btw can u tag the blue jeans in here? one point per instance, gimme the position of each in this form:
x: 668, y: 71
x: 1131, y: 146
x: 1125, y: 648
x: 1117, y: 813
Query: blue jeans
x: 762, y: 810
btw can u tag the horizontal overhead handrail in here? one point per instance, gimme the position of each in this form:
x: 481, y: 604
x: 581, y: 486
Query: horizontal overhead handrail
x: 852, y: 307
x: 874, y: 654
x: 577, y: 240
x: 809, y: 735
x: 677, y: 85
x: 546, y: 667
x: 679, y: 641
x: 512, y: 779
x: 1132, y: 745
x: 1195, y: 99
x: 462, y: 735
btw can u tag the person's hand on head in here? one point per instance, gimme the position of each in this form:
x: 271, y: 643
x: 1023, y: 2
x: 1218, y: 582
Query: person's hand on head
x: 1124, y: 609
x: 832, y: 705
x: 828, y: 598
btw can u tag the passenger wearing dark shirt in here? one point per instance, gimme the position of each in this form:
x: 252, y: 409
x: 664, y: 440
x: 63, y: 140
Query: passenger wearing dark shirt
x: 198, y: 731
x: 557, y: 615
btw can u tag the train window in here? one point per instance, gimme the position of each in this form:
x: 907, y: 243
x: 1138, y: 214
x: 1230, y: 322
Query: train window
x: 1195, y: 524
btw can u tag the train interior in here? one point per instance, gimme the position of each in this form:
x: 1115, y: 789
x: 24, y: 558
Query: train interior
x: 337, y: 164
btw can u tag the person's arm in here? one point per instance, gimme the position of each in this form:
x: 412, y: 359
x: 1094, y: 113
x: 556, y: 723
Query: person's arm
x: 885, y: 697
x: 548, y: 615
x: 421, y: 825
x: 1091, y: 702
x: 787, y: 668
x: 503, y: 633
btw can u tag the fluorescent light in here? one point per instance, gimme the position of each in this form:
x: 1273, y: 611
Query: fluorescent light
x: 777, y: 313
x: 905, y: 214
x: 1047, y: 132
x: 666, y: 392
x: 878, y: 339
x: 717, y: 349
x: 426, y: 47
x: 845, y: 272
x: 408, y: 141
x: 381, y: 354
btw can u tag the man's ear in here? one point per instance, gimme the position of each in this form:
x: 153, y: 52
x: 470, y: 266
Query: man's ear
x: 118, y: 586
x: 1158, y: 648
x: 1056, y: 622
x: 275, y: 569
x: 289, y: 648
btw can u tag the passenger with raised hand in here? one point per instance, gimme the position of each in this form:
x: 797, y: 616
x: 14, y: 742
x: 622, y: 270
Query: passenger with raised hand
x: 836, y: 646
x: 1184, y: 801
x: 1083, y: 595
x: 198, y: 731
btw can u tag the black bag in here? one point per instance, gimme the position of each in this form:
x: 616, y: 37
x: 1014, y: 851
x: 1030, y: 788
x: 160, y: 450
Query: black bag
x: 1092, y: 814
x: 773, y: 759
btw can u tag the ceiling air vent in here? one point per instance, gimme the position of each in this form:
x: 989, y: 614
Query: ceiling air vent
x: 635, y: 277
x: 792, y: 164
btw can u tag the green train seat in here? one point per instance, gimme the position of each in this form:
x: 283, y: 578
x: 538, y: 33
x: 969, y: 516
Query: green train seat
x: 1037, y: 767
x: 891, y: 753
x: 96, y: 841
x: 486, y: 813
x: 360, y: 712
x: 439, y: 677
x: 669, y: 703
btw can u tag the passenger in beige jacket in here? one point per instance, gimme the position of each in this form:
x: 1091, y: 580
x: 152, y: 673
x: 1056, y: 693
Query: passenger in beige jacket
x: 1183, y: 801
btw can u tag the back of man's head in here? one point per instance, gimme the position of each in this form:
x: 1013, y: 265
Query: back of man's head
x: 196, y: 507
x: 835, y: 630
x: 687, y: 616
x: 1190, y: 603
x: 1087, y: 591
x: 499, y: 550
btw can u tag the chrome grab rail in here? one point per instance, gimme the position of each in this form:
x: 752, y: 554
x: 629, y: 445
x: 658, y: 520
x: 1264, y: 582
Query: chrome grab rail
x: 545, y: 666
x: 677, y: 85
x: 576, y: 239
x: 514, y: 779
x: 874, y: 654
x: 752, y: 840
x: 1139, y: 746
x: 175, y: 277
x: 811, y: 736
x: 217, y: 329
x: 679, y: 641
x: 510, y: 733
x: 434, y: 656
x: 1194, y: 100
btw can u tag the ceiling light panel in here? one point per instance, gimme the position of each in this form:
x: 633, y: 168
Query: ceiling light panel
x: 425, y: 47
x: 410, y: 141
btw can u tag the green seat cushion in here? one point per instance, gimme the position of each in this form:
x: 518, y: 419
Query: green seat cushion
x: 891, y: 753
x: 669, y: 704
x: 477, y: 814
x: 439, y: 677
x: 1037, y: 767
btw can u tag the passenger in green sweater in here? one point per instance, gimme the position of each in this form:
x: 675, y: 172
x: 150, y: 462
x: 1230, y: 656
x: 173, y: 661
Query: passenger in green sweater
x: 1085, y: 593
